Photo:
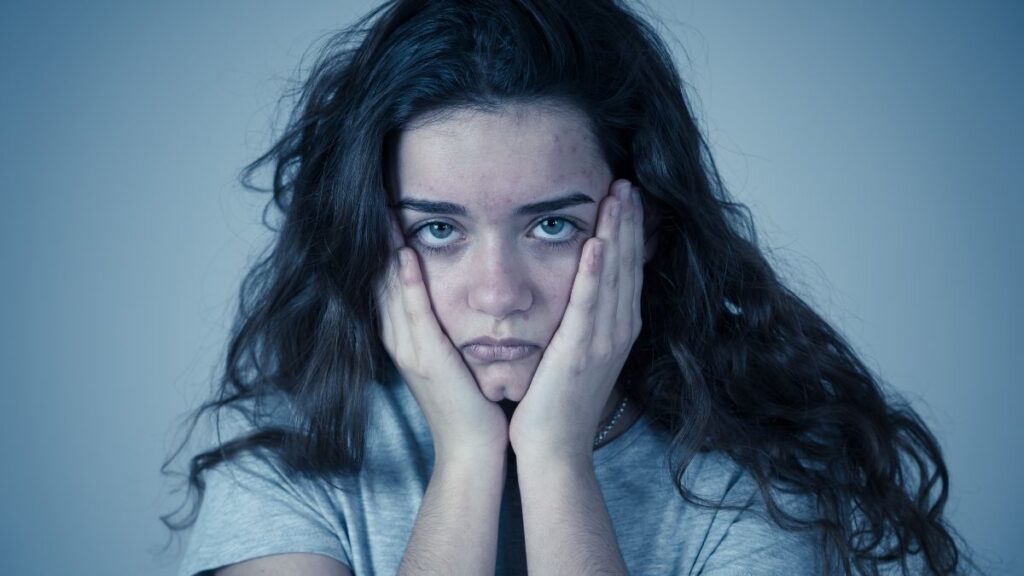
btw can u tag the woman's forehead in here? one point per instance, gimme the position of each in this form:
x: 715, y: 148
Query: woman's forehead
x: 496, y: 162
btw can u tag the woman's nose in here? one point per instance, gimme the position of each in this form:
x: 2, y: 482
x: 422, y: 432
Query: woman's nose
x: 498, y: 283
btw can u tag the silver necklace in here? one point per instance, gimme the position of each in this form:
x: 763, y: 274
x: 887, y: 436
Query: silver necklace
x: 619, y: 410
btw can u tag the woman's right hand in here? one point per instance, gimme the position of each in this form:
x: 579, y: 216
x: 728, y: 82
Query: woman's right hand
x: 463, y: 423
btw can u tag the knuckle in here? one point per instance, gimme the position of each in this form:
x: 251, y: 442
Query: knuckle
x: 612, y: 280
x: 579, y: 365
x: 623, y: 338
x: 401, y: 357
x: 414, y: 317
x: 629, y: 258
x: 601, y: 351
x: 419, y: 370
x: 580, y: 343
x: 584, y: 305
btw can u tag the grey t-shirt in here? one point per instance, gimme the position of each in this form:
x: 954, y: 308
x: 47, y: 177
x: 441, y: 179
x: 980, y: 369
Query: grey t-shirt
x: 252, y: 508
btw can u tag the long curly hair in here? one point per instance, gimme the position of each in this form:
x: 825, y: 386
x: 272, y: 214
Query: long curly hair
x: 729, y: 358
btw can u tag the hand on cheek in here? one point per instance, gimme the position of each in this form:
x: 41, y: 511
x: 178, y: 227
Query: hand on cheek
x: 463, y: 423
x: 561, y: 411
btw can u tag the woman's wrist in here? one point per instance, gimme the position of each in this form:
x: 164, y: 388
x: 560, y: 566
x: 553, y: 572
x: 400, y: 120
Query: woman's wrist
x: 546, y: 457
x: 462, y: 456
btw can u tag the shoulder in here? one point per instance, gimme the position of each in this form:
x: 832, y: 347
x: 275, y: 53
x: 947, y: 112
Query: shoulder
x: 713, y: 476
x: 252, y: 506
x: 742, y: 536
x: 255, y: 508
x: 724, y: 527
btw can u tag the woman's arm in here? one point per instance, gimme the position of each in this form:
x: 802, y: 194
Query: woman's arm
x: 456, y: 530
x: 568, y: 530
x: 566, y: 523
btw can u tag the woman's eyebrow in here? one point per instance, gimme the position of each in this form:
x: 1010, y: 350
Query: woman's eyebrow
x: 452, y: 209
x: 431, y: 207
x: 572, y: 199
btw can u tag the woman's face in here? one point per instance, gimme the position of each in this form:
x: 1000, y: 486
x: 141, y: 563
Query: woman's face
x: 498, y: 205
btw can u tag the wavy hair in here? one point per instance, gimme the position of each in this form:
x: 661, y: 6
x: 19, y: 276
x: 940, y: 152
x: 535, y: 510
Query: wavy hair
x: 728, y: 359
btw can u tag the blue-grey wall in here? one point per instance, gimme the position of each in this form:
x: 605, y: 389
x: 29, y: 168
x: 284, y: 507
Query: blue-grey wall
x: 879, y: 147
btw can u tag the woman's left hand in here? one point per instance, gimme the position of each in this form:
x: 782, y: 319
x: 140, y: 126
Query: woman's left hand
x: 561, y: 411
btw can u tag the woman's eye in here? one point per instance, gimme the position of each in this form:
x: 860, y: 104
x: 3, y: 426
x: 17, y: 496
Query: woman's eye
x: 439, y: 230
x: 555, y: 229
x: 436, y: 234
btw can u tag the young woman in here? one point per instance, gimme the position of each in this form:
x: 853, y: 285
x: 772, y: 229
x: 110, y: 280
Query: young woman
x: 511, y: 319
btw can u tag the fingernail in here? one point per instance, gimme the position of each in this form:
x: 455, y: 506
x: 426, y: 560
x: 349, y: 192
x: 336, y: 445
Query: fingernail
x: 598, y: 249
x: 624, y: 189
x: 613, y: 211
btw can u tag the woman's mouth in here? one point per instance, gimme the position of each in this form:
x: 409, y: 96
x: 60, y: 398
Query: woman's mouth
x: 492, y: 350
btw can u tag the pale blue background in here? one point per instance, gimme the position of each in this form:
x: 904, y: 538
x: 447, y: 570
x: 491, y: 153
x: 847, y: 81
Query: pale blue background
x: 879, y: 147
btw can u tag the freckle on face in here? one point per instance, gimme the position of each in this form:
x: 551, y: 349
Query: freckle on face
x: 501, y: 280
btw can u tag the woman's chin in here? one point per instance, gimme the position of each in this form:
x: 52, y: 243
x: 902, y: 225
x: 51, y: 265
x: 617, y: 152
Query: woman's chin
x: 499, y: 383
x: 498, y: 391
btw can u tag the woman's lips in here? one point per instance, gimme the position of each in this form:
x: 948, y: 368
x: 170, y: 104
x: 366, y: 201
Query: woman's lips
x: 491, y: 350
